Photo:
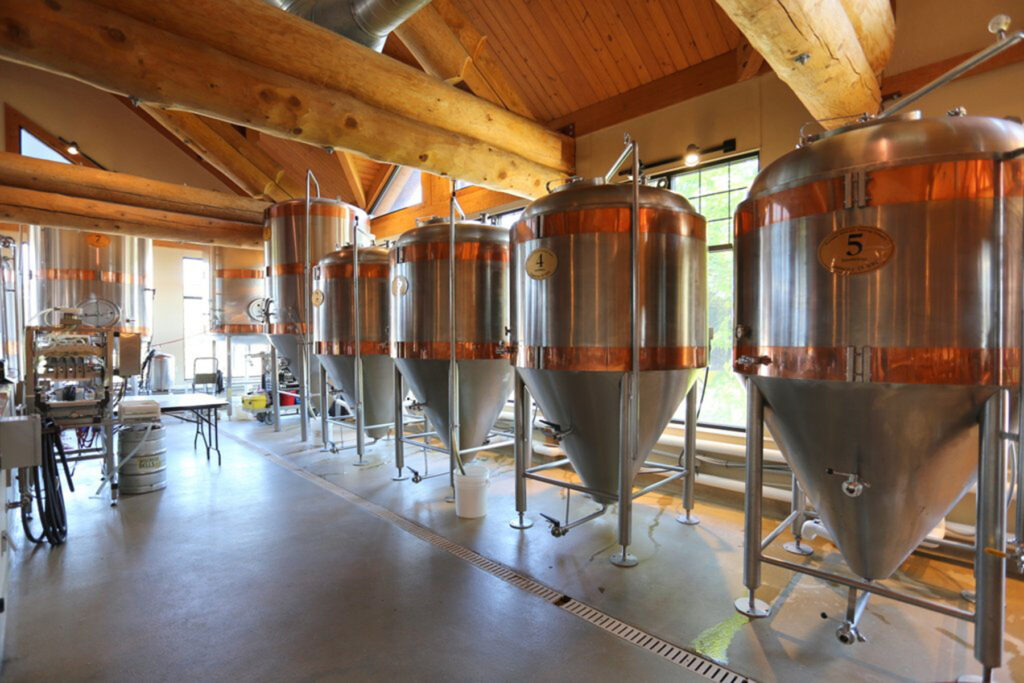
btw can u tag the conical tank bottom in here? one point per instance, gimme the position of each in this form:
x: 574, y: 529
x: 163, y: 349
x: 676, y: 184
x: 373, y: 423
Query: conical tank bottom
x: 287, y: 346
x: 378, y: 387
x: 484, y: 387
x: 915, y: 448
x: 586, y: 406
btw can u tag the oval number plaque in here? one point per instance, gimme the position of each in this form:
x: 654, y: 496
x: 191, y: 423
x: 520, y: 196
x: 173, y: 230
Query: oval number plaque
x: 541, y: 263
x: 97, y: 241
x: 399, y: 286
x: 856, y: 250
x: 318, y: 297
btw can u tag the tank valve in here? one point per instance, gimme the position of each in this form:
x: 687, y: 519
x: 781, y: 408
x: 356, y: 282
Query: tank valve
x: 556, y: 432
x: 748, y: 361
x: 742, y: 331
x: 853, y: 485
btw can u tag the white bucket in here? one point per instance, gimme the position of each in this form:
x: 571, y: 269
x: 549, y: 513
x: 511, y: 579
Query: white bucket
x: 471, y: 491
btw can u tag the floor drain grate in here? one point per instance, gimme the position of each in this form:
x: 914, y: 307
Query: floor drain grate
x: 662, y: 648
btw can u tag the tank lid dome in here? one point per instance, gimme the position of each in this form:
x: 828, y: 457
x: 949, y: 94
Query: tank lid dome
x: 897, y: 141
x: 594, y: 193
x: 435, y: 229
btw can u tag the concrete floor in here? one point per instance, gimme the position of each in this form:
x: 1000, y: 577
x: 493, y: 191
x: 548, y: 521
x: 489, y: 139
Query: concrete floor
x: 253, y: 572
x: 688, y: 577
x: 250, y: 572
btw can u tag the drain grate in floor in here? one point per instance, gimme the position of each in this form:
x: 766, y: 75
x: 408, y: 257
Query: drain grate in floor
x: 675, y: 654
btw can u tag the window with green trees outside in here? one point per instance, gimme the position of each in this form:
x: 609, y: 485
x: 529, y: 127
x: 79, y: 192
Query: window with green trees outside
x: 715, y: 190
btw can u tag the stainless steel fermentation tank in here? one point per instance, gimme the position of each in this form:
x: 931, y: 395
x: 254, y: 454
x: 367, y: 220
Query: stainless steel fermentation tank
x: 878, y: 323
x: 335, y: 337
x: 237, y: 294
x: 288, y: 266
x: 421, y: 326
x: 573, y: 272
x: 108, y: 276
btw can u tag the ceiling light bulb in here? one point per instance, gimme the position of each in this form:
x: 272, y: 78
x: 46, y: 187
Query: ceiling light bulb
x: 72, y: 148
x: 692, y: 157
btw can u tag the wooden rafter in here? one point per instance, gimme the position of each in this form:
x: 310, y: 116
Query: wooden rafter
x: 351, y: 175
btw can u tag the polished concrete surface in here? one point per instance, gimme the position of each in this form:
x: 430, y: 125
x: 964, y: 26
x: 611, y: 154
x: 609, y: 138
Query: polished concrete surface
x: 688, y: 577
x: 251, y: 572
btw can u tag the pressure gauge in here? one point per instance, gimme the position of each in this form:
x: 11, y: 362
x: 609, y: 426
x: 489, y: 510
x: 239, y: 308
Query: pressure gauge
x: 100, y: 313
x: 257, y: 310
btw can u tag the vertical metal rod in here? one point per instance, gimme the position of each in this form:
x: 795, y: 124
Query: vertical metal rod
x: 690, y: 458
x: 522, y: 447
x: 275, y: 389
x: 989, y: 560
x: 629, y: 446
x: 357, y: 327
x: 750, y: 605
x: 324, y: 424
x: 399, y: 425
x: 111, y: 459
x: 307, y: 277
x: 455, y: 460
x: 227, y: 389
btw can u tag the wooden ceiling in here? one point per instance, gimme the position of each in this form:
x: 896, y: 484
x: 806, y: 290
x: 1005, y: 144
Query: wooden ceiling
x: 566, y: 55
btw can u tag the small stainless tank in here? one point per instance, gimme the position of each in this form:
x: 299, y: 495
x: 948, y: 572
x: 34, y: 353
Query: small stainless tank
x: 420, y: 335
x: 334, y: 330
x: 571, y: 275
x: 236, y: 289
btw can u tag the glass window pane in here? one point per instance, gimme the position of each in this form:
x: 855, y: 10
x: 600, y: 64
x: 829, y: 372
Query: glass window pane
x: 724, y: 402
x: 719, y: 232
x: 742, y: 173
x: 715, y: 206
x: 687, y: 184
x: 735, y: 197
x: 411, y: 194
x: 507, y: 220
x: 195, y: 274
x: 31, y: 146
x: 714, y: 179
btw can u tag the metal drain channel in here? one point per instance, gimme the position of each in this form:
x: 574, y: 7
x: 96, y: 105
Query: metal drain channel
x: 675, y: 654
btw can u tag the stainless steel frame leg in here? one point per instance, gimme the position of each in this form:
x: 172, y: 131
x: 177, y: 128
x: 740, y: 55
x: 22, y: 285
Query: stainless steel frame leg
x: 324, y: 425
x: 750, y: 605
x: 360, y: 414
x: 990, y: 560
x: 399, y: 427
x: 849, y: 633
x: 798, y: 505
x: 111, y: 459
x: 523, y: 447
x: 690, y: 459
x: 275, y: 389
x: 304, y: 396
x: 622, y: 557
x: 227, y: 385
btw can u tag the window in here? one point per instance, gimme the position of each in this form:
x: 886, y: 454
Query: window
x: 31, y: 146
x: 715, y: 190
x: 404, y: 189
x: 196, y: 291
x: 508, y: 219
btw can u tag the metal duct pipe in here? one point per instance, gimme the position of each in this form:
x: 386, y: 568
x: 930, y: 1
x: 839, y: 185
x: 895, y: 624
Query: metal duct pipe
x: 365, y: 21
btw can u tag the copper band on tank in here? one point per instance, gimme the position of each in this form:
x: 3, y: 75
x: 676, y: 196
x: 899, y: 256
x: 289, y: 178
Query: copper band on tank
x: 369, y: 348
x: 285, y: 269
x: 315, y: 209
x: 898, y: 365
x: 287, y: 328
x: 595, y: 358
x: 440, y: 251
x: 609, y: 219
x: 442, y: 350
x: 947, y: 180
x: 337, y: 271
x: 239, y: 274
x: 237, y: 329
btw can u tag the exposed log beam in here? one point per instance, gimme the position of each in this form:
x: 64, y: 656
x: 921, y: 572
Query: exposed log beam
x: 23, y: 172
x: 875, y: 26
x: 255, y: 32
x: 18, y: 205
x: 351, y: 175
x: 703, y: 77
x: 813, y: 47
x: 748, y: 62
x: 451, y: 49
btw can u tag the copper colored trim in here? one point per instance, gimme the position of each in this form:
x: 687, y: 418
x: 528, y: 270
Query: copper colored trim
x: 285, y: 269
x: 315, y: 209
x: 442, y: 350
x: 609, y: 219
x: 947, y: 180
x: 439, y: 251
x: 596, y: 358
x: 86, y: 275
x: 336, y: 271
x: 237, y: 329
x: 286, y: 328
x: 239, y: 274
x: 348, y: 348
x: 898, y: 365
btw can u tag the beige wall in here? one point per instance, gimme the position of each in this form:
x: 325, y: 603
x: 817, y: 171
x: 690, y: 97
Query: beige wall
x: 763, y: 114
x: 102, y: 126
x: 169, y: 304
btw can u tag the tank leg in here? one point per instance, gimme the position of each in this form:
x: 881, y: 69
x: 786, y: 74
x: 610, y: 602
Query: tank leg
x: 324, y: 425
x: 849, y: 633
x: 111, y: 459
x: 750, y: 605
x: 275, y: 388
x: 399, y: 428
x: 227, y: 384
x: 798, y: 505
x: 690, y: 459
x: 523, y: 443
x: 622, y: 557
x: 990, y: 557
x: 360, y: 414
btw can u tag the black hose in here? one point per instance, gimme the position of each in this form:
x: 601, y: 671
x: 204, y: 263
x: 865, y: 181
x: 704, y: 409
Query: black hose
x: 44, y: 487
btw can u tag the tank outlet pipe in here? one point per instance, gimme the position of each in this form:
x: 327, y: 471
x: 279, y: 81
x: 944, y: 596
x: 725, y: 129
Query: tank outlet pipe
x: 812, y: 528
x: 849, y: 633
x: 998, y: 25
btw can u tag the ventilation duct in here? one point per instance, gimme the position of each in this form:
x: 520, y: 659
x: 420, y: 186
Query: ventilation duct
x: 365, y: 21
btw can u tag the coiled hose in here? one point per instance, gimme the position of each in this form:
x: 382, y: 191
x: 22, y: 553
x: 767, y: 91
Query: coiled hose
x: 44, y: 487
